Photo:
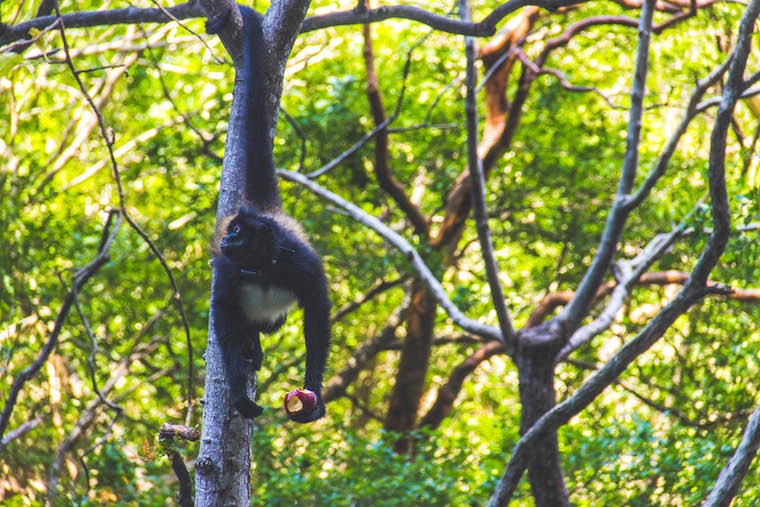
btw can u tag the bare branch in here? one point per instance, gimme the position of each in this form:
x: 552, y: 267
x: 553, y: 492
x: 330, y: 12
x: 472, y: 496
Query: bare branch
x: 129, y: 15
x: 380, y: 128
x: 378, y: 287
x: 90, y: 412
x: 586, y: 394
x: 441, y: 23
x: 166, y: 436
x: 93, y: 341
x: 721, y: 214
x: 418, y: 264
x: 584, y: 295
x: 663, y: 160
x: 736, y: 469
x: 79, y: 279
x: 382, y: 163
x: 632, y: 271
x: 477, y: 178
x: 108, y: 137
x: 19, y: 432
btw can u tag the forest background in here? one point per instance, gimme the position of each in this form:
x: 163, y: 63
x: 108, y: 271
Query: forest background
x: 110, y: 157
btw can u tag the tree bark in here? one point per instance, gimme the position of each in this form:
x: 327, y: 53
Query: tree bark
x: 535, y: 364
x: 413, y: 367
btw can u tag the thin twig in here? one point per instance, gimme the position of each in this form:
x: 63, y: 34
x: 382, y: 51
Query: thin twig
x: 79, y: 279
x: 174, y: 18
x: 108, y: 138
x: 380, y: 126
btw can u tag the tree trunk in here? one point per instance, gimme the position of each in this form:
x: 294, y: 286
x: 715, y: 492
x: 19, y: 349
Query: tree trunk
x: 535, y: 364
x: 413, y: 367
x: 223, y: 466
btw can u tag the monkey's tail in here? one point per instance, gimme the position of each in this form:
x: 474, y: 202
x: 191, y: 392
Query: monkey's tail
x: 261, y: 183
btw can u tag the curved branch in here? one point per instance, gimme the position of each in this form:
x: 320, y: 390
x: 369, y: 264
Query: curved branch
x: 414, y: 258
x: 734, y: 472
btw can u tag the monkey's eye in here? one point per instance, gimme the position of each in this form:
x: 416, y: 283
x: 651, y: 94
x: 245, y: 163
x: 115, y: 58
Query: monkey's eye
x: 237, y: 230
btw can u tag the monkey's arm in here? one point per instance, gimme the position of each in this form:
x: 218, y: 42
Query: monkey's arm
x: 312, y: 295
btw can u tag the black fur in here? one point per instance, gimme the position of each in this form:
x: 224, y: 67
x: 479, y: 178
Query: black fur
x: 263, y: 257
x: 261, y: 183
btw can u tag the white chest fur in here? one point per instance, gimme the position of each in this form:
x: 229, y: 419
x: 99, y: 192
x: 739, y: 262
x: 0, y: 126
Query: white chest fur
x: 265, y: 304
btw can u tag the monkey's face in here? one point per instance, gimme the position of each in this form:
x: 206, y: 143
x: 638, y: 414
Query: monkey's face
x: 249, y: 241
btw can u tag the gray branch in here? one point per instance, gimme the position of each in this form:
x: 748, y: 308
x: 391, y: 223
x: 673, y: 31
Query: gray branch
x: 480, y: 214
x: 291, y: 13
x: 733, y: 474
x: 574, y: 312
x: 414, y: 258
x: 632, y: 271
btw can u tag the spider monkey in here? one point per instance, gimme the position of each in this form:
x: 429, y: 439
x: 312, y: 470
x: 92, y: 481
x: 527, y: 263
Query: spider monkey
x: 262, y: 259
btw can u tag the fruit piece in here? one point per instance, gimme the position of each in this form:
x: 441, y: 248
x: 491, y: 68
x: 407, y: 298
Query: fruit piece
x: 300, y: 401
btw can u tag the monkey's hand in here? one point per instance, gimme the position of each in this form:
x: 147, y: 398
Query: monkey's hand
x: 304, y: 406
x: 247, y: 408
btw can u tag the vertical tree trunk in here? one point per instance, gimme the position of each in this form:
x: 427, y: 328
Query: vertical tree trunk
x: 535, y: 364
x: 223, y: 464
x: 413, y: 367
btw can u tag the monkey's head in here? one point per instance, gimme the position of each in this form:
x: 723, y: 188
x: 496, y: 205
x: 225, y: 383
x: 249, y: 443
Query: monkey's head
x: 250, y: 239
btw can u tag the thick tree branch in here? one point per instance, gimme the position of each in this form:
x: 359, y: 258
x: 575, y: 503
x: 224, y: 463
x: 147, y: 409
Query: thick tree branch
x: 441, y: 23
x: 84, y: 19
x: 200, y: 9
x: 731, y: 477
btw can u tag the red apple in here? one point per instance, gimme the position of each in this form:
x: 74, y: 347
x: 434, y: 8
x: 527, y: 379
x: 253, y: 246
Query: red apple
x: 300, y: 401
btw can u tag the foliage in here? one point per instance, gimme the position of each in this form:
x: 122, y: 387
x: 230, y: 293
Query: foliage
x: 660, y: 437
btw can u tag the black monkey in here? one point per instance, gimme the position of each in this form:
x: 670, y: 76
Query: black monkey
x: 262, y: 259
